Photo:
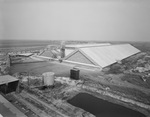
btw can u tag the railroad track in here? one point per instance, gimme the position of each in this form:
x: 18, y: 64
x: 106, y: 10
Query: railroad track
x: 38, y: 106
x: 50, y: 107
x: 43, y: 106
x: 30, y: 106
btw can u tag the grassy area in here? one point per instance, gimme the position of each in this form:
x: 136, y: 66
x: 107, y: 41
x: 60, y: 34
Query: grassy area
x: 124, y: 91
x: 129, y: 93
x: 41, y: 67
x: 136, y: 80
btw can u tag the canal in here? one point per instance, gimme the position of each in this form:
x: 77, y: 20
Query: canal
x: 102, y: 108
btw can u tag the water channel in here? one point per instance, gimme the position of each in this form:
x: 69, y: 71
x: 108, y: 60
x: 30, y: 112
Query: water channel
x: 102, y: 108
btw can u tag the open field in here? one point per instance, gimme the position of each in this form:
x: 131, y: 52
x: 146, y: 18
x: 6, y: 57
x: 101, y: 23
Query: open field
x: 37, y: 68
x: 41, y: 67
x: 137, y: 80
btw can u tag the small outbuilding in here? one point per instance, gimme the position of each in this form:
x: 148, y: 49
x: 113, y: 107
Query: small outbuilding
x: 8, y: 84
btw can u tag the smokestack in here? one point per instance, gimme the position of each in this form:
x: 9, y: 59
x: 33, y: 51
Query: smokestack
x: 62, y: 49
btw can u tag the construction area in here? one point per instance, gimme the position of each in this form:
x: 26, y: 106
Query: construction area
x: 40, y: 85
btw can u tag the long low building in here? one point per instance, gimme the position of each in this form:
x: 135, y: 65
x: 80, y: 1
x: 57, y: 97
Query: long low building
x: 101, y: 56
x: 25, y: 54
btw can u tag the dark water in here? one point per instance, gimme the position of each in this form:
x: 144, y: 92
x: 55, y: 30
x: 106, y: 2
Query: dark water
x: 102, y: 108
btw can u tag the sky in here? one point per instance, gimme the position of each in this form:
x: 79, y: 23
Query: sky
x: 103, y: 20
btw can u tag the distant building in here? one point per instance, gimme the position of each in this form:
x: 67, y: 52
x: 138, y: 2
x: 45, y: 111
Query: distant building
x: 100, y: 56
x: 48, y: 54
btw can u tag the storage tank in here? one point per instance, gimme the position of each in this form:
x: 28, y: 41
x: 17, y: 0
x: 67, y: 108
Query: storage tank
x: 48, y: 78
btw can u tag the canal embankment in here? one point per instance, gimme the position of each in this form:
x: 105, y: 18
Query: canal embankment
x: 105, y: 94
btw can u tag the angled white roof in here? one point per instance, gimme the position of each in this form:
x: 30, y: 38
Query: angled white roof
x: 46, y: 53
x: 106, y: 55
x: 86, y: 45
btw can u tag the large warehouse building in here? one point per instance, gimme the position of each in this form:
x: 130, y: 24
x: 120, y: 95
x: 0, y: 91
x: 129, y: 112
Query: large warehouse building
x: 101, y: 56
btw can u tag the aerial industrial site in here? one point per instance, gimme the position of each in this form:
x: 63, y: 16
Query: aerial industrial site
x: 75, y: 79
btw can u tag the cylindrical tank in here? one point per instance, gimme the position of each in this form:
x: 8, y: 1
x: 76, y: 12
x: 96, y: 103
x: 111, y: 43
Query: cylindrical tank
x: 48, y: 78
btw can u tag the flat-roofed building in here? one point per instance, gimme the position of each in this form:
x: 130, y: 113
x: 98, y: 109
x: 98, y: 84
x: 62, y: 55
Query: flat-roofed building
x: 8, y: 84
